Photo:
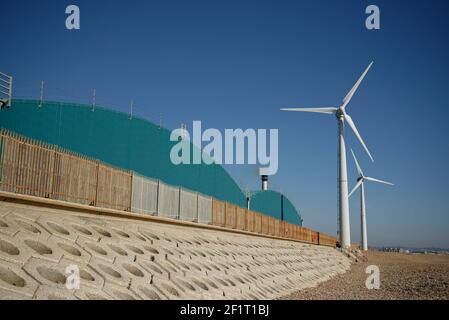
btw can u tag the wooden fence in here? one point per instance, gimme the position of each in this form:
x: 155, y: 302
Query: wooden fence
x: 257, y: 222
x: 326, y: 240
x: 218, y: 213
x: 265, y: 221
x: 114, y: 188
x: 26, y: 166
x: 231, y: 215
x: 249, y: 221
x: 74, y: 178
x: 43, y: 170
x: 241, y: 219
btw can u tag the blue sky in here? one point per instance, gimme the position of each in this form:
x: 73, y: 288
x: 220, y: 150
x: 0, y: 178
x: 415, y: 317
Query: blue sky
x: 233, y: 64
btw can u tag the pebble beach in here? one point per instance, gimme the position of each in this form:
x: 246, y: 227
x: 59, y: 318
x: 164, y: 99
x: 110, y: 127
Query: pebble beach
x: 402, y: 277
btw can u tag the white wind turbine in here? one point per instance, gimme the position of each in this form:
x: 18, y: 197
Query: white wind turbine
x: 361, y: 183
x: 342, y: 116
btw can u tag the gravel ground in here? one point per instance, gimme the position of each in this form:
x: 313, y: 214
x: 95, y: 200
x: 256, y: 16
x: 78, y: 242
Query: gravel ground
x: 402, y: 276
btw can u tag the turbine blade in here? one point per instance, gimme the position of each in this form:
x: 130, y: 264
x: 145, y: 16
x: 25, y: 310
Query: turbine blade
x: 356, y: 187
x: 359, y: 170
x: 330, y: 110
x: 357, y: 134
x: 379, y: 181
x: 351, y: 92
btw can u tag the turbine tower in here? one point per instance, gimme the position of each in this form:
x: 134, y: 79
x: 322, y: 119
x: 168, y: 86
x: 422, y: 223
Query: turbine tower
x: 361, y: 183
x: 342, y: 116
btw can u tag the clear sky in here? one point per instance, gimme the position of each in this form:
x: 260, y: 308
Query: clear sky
x: 233, y: 64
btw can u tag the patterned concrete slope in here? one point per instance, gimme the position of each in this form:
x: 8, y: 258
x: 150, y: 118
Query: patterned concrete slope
x: 120, y: 258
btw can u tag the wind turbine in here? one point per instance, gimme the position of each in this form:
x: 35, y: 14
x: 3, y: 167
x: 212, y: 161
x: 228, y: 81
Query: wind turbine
x: 361, y: 183
x: 342, y: 116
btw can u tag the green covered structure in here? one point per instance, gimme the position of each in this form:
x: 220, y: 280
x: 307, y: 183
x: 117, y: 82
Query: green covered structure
x: 134, y: 144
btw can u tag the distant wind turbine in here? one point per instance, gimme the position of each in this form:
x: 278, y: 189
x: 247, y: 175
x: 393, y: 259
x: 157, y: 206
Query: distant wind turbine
x: 342, y: 116
x: 361, y: 183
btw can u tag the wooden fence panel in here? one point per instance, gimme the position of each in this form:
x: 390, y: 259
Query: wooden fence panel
x: 311, y: 236
x: 218, y: 213
x: 231, y: 215
x: 301, y: 234
x: 114, y: 188
x: 282, y: 229
x: 74, y: 178
x: 265, y: 224
x: 277, y: 227
x: 249, y: 225
x: 241, y: 218
x: 314, y: 236
x: 26, y: 165
x: 257, y: 222
x: 271, y: 226
x: 304, y: 234
x: 289, y: 230
x: 308, y: 235
x: 327, y: 240
x: 295, y: 231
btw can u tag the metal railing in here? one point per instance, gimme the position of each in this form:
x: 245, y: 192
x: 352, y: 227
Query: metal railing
x: 5, y: 90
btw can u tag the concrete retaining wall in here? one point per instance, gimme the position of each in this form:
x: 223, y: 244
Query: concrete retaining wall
x: 120, y: 258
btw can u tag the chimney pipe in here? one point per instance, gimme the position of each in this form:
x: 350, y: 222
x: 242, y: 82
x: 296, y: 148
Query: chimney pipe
x: 264, y: 182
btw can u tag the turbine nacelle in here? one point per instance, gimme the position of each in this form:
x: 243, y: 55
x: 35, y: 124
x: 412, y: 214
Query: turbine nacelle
x: 362, y: 178
x: 340, y: 114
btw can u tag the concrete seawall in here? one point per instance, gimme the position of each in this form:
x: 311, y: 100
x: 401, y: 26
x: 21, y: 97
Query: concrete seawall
x: 122, y: 258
